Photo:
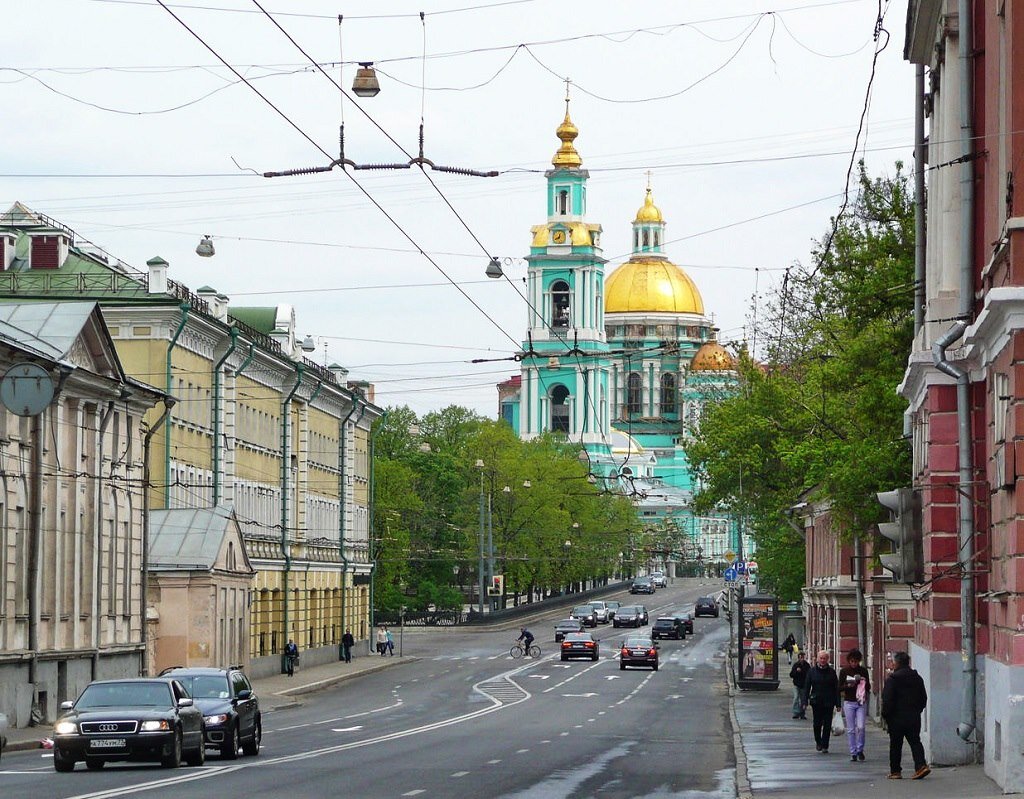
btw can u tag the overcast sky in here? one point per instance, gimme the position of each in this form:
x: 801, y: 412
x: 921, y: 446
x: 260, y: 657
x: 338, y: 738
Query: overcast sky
x: 746, y: 119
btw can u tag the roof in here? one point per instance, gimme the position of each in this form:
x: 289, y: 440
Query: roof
x: 191, y: 538
x: 262, y: 319
x: 648, y: 284
x: 712, y: 357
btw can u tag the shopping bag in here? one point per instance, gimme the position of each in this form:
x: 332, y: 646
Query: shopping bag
x: 838, y: 726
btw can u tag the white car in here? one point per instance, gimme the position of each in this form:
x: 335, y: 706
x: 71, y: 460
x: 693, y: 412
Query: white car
x: 659, y: 579
x: 601, y: 611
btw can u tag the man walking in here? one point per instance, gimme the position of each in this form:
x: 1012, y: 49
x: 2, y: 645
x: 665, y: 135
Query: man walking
x: 822, y: 691
x: 291, y: 656
x: 798, y: 674
x: 347, y: 642
x: 904, y: 699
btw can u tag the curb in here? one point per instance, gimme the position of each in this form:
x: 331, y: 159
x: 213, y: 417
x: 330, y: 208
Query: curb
x: 23, y: 746
x: 743, y: 790
x: 340, y: 677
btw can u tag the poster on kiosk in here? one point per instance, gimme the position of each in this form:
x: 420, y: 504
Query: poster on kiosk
x: 758, y: 643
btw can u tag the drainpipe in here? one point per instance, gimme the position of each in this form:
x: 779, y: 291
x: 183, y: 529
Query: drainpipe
x: 341, y: 500
x: 98, y: 525
x: 247, y: 361
x: 146, y: 442
x: 372, y: 509
x: 34, y: 550
x: 858, y: 582
x: 185, y: 308
x: 217, y: 404
x: 286, y: 409
x: 920, y: 210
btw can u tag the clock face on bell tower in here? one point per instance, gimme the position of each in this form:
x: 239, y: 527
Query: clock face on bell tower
x: 558, y: 237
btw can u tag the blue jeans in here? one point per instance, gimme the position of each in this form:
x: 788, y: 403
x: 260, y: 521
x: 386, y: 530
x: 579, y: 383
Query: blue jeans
x: 855, y: 715
x: 798, y: 701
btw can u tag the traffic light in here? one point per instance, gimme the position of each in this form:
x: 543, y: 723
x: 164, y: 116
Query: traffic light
x: 906, y: 561
x: 497, y: 586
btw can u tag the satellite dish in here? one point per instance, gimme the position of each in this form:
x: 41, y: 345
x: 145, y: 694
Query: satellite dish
x: 26, y: 389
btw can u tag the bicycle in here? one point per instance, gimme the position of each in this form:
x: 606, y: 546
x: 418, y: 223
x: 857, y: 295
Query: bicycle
x: 518, y: 650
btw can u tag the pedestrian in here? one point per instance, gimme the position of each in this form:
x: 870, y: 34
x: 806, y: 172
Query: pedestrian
x: 390, y: 643
x: 787, y: 646
x: 347, y: 642
x: 798, y: 674
x: 855, y: 685
x: 904, y: 699
x: 291, y: 657
x: 382, y: 640
x: 822, y: 691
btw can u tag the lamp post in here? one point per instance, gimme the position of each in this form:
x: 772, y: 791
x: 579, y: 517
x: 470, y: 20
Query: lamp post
x: 480, y: 566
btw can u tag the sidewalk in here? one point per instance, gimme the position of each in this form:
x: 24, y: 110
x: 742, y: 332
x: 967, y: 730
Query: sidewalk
x: 275, y: 693
x: 775, y: 756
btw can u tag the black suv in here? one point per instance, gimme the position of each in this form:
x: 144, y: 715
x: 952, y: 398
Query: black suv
x: 642, y: 585
x: 705, y: 606
x: 231, y: 711
x: 668, y: 627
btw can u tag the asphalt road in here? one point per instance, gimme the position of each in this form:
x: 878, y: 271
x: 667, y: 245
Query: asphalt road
x: 465, y: 720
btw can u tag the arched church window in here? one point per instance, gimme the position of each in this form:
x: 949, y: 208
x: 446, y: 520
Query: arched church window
x: 563, y: 202
x: 559, y: 409
x: 647, y: 238
x: 636, y: 239
x: 634, y: 394
x: 668, y: 393
x: 657, y: 238
x: 560, y: 304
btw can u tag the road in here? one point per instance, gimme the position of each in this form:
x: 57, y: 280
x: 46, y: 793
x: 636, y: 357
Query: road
x: 465, y: 720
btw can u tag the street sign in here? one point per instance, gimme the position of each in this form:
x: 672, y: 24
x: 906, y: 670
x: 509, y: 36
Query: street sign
x: 730, y: 575
x: 730, y: 556
x: 751, y: 565
x: 740, y: 567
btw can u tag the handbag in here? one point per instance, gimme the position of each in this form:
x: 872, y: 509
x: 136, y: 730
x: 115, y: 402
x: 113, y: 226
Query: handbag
x: 838, y: 725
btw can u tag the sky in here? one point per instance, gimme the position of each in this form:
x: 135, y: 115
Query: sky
x: 120, y: 121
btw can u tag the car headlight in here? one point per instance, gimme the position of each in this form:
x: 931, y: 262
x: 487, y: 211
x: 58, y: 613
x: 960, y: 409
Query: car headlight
x: 220, y: 718
x: 66, y: 728
x: 154, y: 726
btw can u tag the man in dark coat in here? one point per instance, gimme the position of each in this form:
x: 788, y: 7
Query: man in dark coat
x: 904, y: 699
x: 798, y: 674
x: 821, y: 689
x: 347, y: 642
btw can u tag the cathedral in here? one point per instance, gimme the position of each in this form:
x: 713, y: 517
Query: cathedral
x: 621, y: 364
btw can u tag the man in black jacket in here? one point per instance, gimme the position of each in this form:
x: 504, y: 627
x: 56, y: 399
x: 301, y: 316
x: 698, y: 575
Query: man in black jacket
x: 904, y: 699
x: 798, y: 674
x: 821, y: 689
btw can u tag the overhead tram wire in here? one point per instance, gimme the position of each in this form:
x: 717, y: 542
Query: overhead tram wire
x: 361, y: 188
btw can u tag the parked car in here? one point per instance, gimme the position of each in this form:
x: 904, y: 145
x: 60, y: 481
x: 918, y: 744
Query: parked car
x: 231, y: 710
x: 627, y: 616
x: 705, y: 606
x: 586, y: 614
x: 668, y: 627
x: 642, y: 585
x: 659, y: 579
x: 580, y: 645
x: 600, y: 610
x: 142, y: 719
x: 566, y: 626
x: 612, y: 608
x: 686, y: 618
x: 638, y: 651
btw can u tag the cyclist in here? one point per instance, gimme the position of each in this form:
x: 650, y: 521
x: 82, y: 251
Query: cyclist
x: 527, y: 638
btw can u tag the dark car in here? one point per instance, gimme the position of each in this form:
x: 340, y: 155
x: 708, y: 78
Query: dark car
x: 642, y: 585
x: 628, y: 616
x: 580, y: 645
x: 705, y: 606
x: 668, y: 627
x: 586, y: 614
x: 142, y: 719
x: 686, y: 619
x: 231, y: 710
x: 566, y: 626
x: 637, y: 651
x: 612, y: 608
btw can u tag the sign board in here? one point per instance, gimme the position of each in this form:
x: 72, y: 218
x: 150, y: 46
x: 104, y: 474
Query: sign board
x: 26, y: 389
x: 751, y: 565
x: 758, y: 643
x: 730, y: 556
x: 730, y: 575
x: 740, y: 566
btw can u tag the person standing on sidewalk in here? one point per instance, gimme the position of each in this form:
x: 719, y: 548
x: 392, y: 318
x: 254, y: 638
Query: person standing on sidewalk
x: 382, y: 641
x: 822, y: 691
x: 347, y: 642
x: 855, y: 685
x: 389, y: 641
x: 788, y: 644
x: 291, y: 656
x: 904, y: 699
x: 798, y: 674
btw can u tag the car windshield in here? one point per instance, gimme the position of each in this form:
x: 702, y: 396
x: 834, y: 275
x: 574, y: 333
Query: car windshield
x: 626, y: 610
x: 582, y: 610
x: 572, y: 624
x: 206, y: 686
x: 598, y: 605
x: 638, y: 642
x: 664, y: 622
x: 613, y: 604
x: 125, y: 694
x: 578, y: 637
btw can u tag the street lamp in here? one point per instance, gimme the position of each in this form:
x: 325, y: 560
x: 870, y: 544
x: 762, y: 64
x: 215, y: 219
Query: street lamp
x: 480, y: 570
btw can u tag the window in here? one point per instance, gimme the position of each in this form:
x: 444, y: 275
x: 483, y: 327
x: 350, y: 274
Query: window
x: 657, y: 238
x: 634, y: 394
x: 647, y: 238
x: 560, y: 304
x: 668, y: 393
x: 560, y: 409
x: 563, y: 202
x: 636, y: 239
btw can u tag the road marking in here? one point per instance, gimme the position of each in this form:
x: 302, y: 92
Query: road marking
x: 415, y: 792
x: 612, y: 677
x: 520, y: 751
x: 582, y: 696
x: 540, y: 676
x: 640, y: 685
x: 546, y: 742
x: 347, y: 729
x: 591, y: 719
x: 460, y: 773
x: 129, y: 790
x: 563, y: 734
x: 493, y: 762
x: 578, y: 726
x: 562, y: 665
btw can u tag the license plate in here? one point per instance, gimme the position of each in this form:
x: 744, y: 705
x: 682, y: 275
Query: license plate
x: 107, y: 743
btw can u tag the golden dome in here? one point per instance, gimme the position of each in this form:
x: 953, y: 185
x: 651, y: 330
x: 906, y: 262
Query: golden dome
x: 650, y: 212
x: 653, y: 285
x: 712, y: 357
x: 566, y: 156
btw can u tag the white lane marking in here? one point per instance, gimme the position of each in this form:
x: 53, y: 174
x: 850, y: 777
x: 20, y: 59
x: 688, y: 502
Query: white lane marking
x: 415, y: 792
x: 582, y: 696
x: 573, y: 677
x: 129, y: 790
x: 563, y: 734
x: 460, y: 773
x: 492, y: 762
x: 601, y: 712
x: 591, y: 719
x: 612, y: 677
x: 494, y: 657
x: 36, y: 771
x: 347, y: 729
x: 540, y: 676
x: 546, y: 742
x: 578, y: 726
x: 339, y: 718
x: 520, y: 751
x: 640, y: 685
x: 562, y: 665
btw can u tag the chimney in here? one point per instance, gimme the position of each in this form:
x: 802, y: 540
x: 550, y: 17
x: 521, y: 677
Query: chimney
x: 217, y: 302
x: 339, y: 372
x: 157, y: 275
x: 8, y: 241
x: 48, y: 248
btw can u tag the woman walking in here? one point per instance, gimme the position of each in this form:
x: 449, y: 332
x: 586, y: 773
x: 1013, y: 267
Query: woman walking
x: 855, y: 685
x: 822, y: 692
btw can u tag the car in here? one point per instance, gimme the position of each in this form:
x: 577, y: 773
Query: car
x: 138, y: 719
x: 586, y: 614
x: 668, y: 627
x: 638, y: 651
x: 705, y: 606
x: 566, y: 626
x: 644, y: 618
x: 612, y: 606
x: 686, y: 618
x: 231, y: 709
x: 628, y: 616
x: 642, y: 585
x: 580, y: 645
x: 659, y: 579
x: 601, y: 611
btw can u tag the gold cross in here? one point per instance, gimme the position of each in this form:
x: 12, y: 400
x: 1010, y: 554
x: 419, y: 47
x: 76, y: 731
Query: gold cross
x: 649, y: 174
x: 567, y: 82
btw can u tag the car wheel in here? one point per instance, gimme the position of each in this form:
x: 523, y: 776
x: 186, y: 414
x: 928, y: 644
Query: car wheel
x: 594, y: 658
x: 564, y: 658
x: 198, y: 756
x: 229, y: 749
x: 61, y: 763
x: 93, y: 763
x: 173, y: 758
x: 252, y: 746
